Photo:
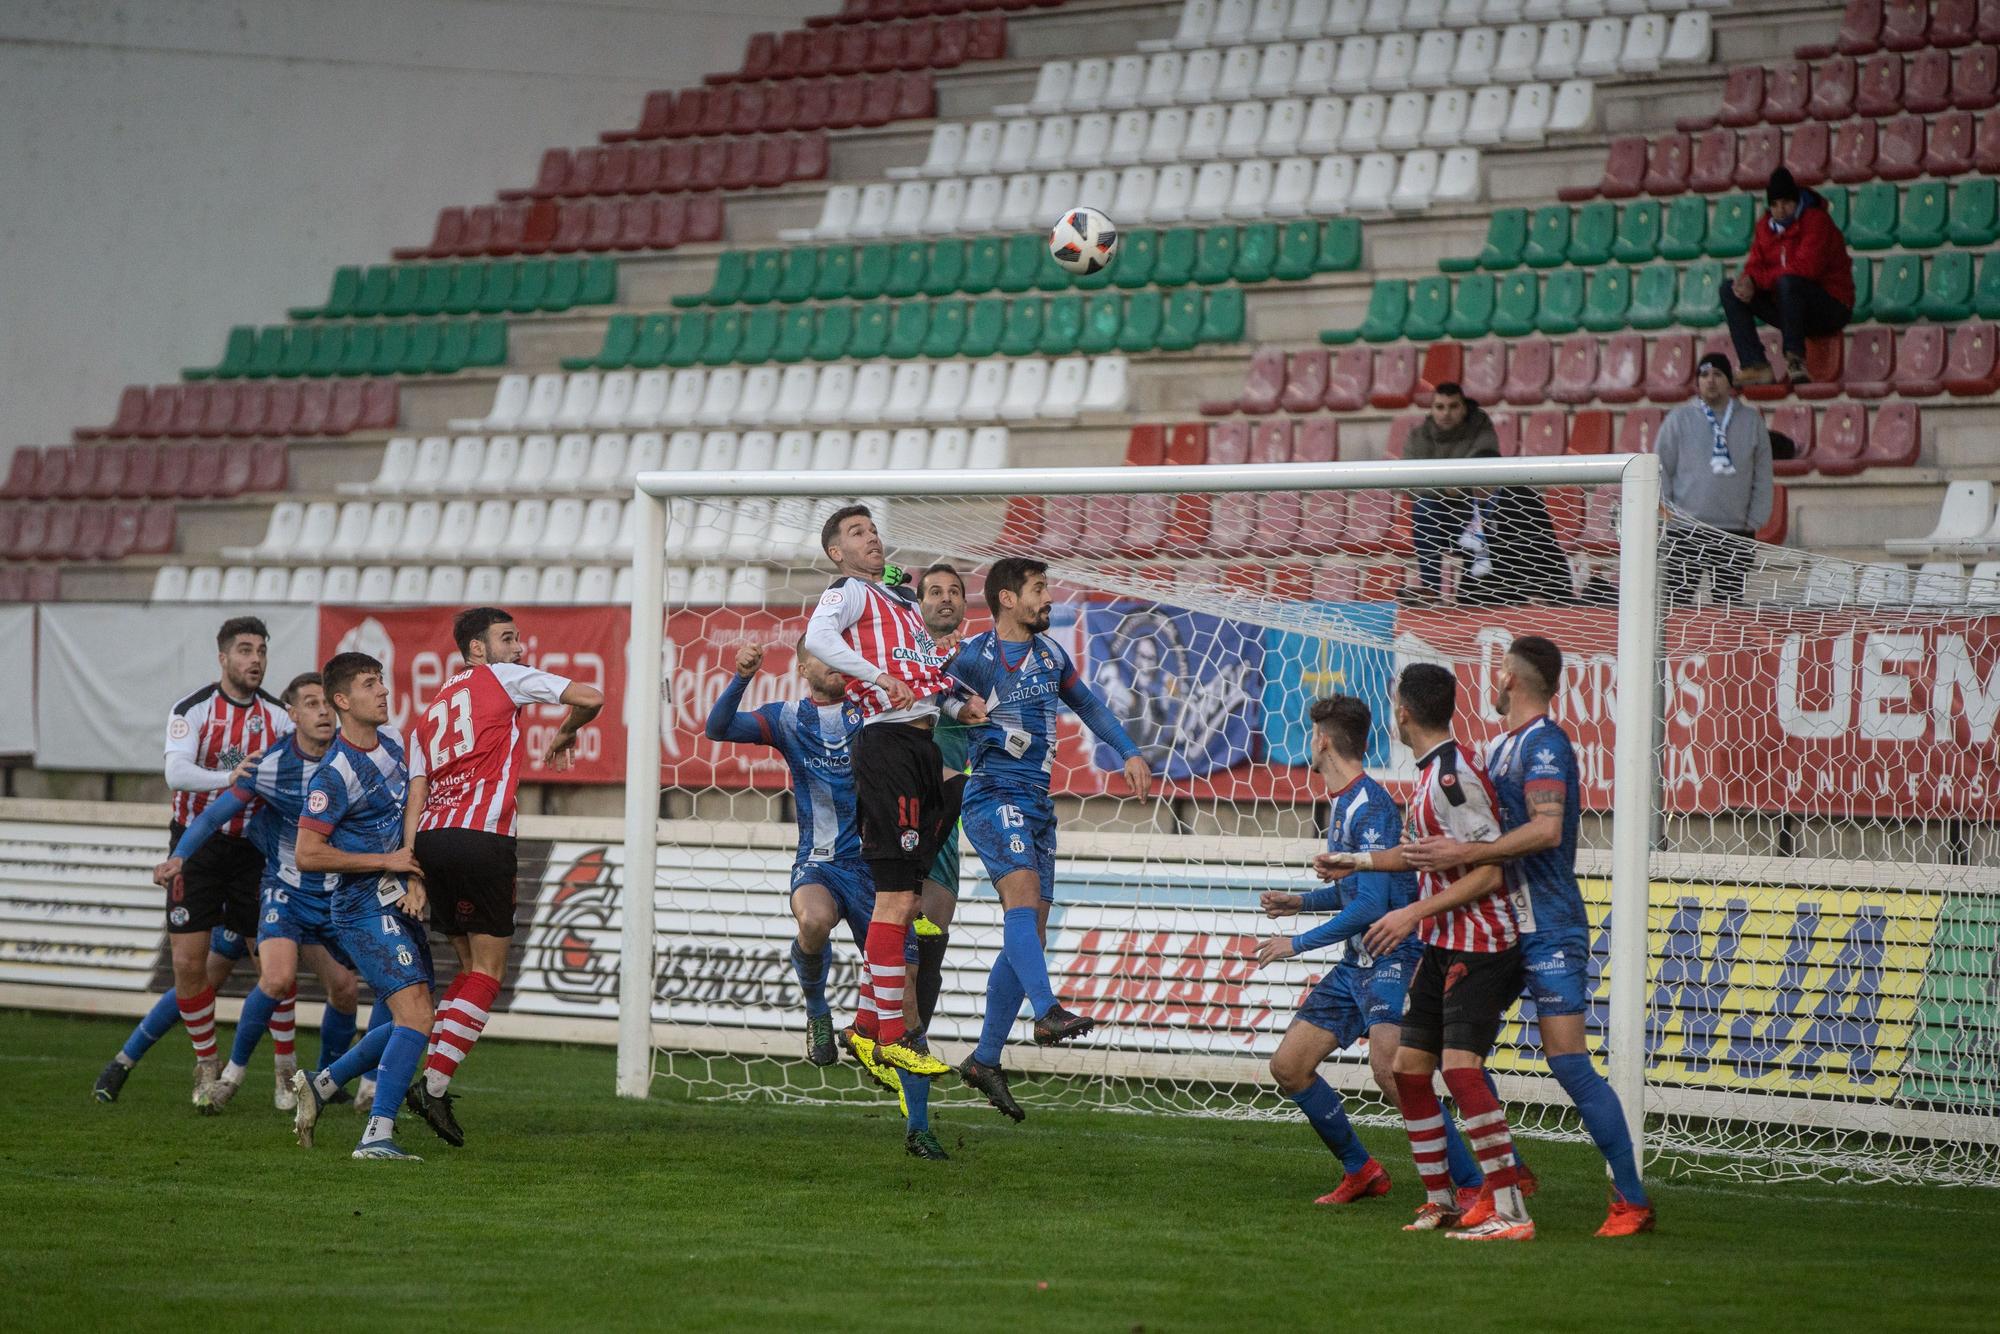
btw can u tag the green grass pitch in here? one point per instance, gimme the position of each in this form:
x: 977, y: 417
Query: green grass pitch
x: 572, y: 1209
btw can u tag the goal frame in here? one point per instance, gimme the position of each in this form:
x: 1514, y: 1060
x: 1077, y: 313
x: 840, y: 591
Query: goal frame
x: 1633, y: 788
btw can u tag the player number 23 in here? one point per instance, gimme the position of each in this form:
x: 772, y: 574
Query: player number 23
x: 452, y: 714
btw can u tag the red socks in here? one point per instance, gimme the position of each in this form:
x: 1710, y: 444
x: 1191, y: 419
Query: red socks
x: 198, y: 1014
x: 460, y: 1021
x: 1484, y: 1122
x: 886, y: 975
x: 283, y: 1024
x: 1423, y: 1119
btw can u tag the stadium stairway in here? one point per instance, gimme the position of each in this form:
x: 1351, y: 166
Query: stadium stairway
x: 679, y: 358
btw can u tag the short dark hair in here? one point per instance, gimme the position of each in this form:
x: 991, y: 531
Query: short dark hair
x: 831, y: 528
x: 473, y: 622
x: 1010, y: 574
x: 1430, y: 693
x: 1542, y: 657
x: 942, y: 567
x: 342, y: 669
x: 1449, y: 389
x: 1345, y: 720
x: 298, y: 683
x: 240, y: 625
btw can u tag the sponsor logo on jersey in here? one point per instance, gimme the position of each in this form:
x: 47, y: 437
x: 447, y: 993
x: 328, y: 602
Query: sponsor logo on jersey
x: 231, y: 757
x: 254, y: 724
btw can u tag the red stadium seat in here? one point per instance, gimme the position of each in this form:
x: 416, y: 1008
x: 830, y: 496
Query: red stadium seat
x: 52, y: 474
x: 122, y: 535
x: 685, y: 117
x: 1062, y: 524
x: 1374, y: 523
x: 1787, y: 88
x: 711, y: 160
x: 538, y: 227
x: 1276, y: 532
x: 1972, y: 370
x: 1399, y: 436
x: 1189, y: 525
x: 1317, y: 440
x: 760, y: 54
x: 1986, y: 144
x: 1953, y: 22
x: 1986, y: 26
x: 1590, y: 432
x: 1543, y: 434
x: 1860, y: 28
x: 1841, y: 437
x: 191, y: 414
x: 1878, y: 87
x: 1714, y: 168
x: 221, y: 409
x: 1507, y: 429
x: 1395, y: 382
x: 253, y: 403
x: 1826, y: 367
x: 171, y: 474
x: 1667, y: 162
x: 204, y: 475
x: 1146, y: 520
x: 315, y: 408
x: 1565, y: 509
x: 1927, y: 82
x: 1575, y: 376
x: 444, y: 236
x: 919, y: 50
x: 1948, y: 148
x: 614, y: 170
x: 1894, y: 437
x: 1103, y: 525
x: 844, y: 102
x: 635, y: 224
x: 1305, y: 380
x: 282, y: 407
x: 654, y: 114
x: 1920, y: 361
x: 1530, y: 362
x: 1759, y: 152
x: 1229, y: 443
x: 551, y: 177
x: 601, y: 230
x: 1263, y: 385
x: 953, y: 43
x: 1899, y: 149
x: 774, y: 162
x: 1624, y: 172
x: 704, y: 219
x: 1444, y: 363
x: 142, y: 461
x: 107, y: 479
x: 812, y: 103
x: 1905, y: 25
x: 739, y: 170
x: 1809, y: 152
x: 987, y: 39
x: 883, y: 100
x: 1833, y: 84
x: 717, y: 104
x: 1637, y: 430
x: 642, y: 171
x: 1621, y: 367
x: 1271, y: 441
x: 238, y: 459
x: 506, y: 227
x: 816, y: 61
x: 1484, y: 373
x: 156, y: 530
x: 1854, y: 152
x: 1232, y: 524
x: 133, y: 404
x: 809, y: 157
x: 161, y: 407
x: 1670, y: 369
x: 1335, y: 583
x: 885, y: 47
x: 1187, y: 444
x: 21, y: 468
x: 1146, y: 446
x: 59, y: 536
x: 31, y: 531
x: 93, y: 533
x: 1348, y: 378
x: 1795, y: 421
x: 269, y: 466
x: 1975, y: 78
x: 746, y: 109
x: 1021, y: 526
x: 1742, y: 96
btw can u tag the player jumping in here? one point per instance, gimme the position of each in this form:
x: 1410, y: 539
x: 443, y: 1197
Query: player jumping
x: 1532, y: 768
x: 293, y: 921
x: 466, y: 756
x: 212, y: 908
x: 941, y: 591
x: 1361, y: 994
x: 353, y: 828
x: 1468, y: 974
x: 1009, y: 814
x: 874, y: 634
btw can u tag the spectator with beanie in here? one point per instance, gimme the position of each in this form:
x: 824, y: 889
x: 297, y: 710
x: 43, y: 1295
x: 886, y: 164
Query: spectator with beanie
x: 1457, y: 428
x: 1715, y: 469
x: 1796, y: 279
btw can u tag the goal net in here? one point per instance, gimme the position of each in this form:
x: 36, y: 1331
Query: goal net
x: 1787, y: 776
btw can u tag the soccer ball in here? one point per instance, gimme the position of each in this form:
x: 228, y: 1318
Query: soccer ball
x: 1083, y: 241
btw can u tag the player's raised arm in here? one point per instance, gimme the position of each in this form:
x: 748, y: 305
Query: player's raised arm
x: 1093, y: 713
x: 725, y: 721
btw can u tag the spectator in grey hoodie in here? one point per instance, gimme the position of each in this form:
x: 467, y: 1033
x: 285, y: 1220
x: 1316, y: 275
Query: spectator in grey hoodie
x: 1715, y: 468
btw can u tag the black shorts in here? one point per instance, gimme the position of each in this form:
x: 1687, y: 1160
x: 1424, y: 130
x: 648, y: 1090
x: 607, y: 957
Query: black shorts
x: 469, y: 876
x: 218, y: 886
x: 1458, y: 998
x: 903, y: 804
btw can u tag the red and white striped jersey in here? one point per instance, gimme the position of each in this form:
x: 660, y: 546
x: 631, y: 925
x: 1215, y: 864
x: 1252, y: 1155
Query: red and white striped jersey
x: 864, y: 629
x: 469, y: 745
x: 209, y: 734
x: 1457, y: 801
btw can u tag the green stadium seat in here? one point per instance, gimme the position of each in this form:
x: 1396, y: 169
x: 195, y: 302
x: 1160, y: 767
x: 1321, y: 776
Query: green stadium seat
x: 871, y: 271
x: 497, y: 295
x: 836, y: 274
x: 1223, y: 316
x: 801, y: 272
x: 1215, y: 256
x: 947, y: 329
x: 340, y: 296
x: 564, y: 286
x: 1835, y: 198
x: 1924, y: 216
x: 1051, y: 276
x: 1181, y: 328
x: 1684, y: 227
x: 531, y: 282
x: 795, y: 335
x: 423, y: 351
x: 1729, y: 227
x: 983, y: 256
x: 406, y: 282
x: 1138, y: 254
x: 1174, y: 265
x: 1256, y: 253
x: 1872, y: 225
x: 1022, y: 261
x: 238, y: 350
x: 1548, y: 237
x: 392, y: 346
x: 909, y: 326
x: 1864, y: 288
x: 908, y: 263
x: 373, y: 294
x: 1340, y: 245
x: 267, y: 354
x: 468, y: 284
x: 1471, y: 307
x: 835, y: 331
x: 1388, y: 307
x: 1975, y: 221
x: 983, y: 327
x: 621, y: 335
x: 433, y: 289
x: 357, y: 353
x: 1700, y: 302
x: 489, y: 344
x: 1899, y: 287
x: 1024, y: 327
x: 868, y: 331
x: 945, y: 268
x: 767, y: 269
x: 600, y: 281
x: 1103, y: 313
x: 656, y: 335
x: 731, y: 268
x: 689, y: 335
x: 725, y: 334
x: 1062, y: 325
x: 1638, y: 239
x: 1986, y: 296
x: 453, y: 352
x: 1514, y: 307
x: 1607, y: 298
x: 1947, y: 295
x: 328, y: 341
x: 298, y: 351
x: 1561, y: 310
x: 760, y: 336
x: 1592, y: 233
x: 1298, y: 252
x: 1145, y: 314
x: 1506, y: 233
x: 1429, y: 308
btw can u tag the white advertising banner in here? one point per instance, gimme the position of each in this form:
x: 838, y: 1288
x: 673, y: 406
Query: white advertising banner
x: 17, y: 668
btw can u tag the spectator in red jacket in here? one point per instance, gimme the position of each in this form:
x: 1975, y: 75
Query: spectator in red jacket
x: 1796, y: 279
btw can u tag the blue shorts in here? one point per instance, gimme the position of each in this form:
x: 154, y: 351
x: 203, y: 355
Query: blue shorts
x: 1013, y: 831
x: 853, y: 890
x: 229, y: 944
x: 1558, y: 970
x: 1349, y: 1001
x: 283, y: 913
x: 388, y: 948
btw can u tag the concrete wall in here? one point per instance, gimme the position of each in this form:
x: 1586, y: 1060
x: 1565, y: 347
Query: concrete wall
x: 173, y: 167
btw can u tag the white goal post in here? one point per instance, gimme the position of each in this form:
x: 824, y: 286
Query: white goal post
x: 1633, y: 778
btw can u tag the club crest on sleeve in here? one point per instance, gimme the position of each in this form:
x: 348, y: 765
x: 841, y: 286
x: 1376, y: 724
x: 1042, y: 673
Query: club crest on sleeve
x: 833, y: 597
x: 178, y: 728
x: 317, y: 803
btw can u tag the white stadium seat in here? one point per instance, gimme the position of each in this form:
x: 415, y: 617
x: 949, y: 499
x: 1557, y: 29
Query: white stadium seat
x: 1444, y: 122
x: 385, y: 530
x: 1333, y: 184
x: 1087, y: 85
x: 1205, y: 127
x: 614, y: 401
x: 1458, y: 178
x: 989, y: 443
x: 343, y: 584
x: 1107, y: 390
x: 1251, y: 189
x: 1051, y: 86
x: 579, y: 398
x: 1486, y: 121
x: 446, y: 586
x: 1528, y: 118
x: 946, y: 213
x: 308, y: 584
x: 1128, y: 79
x: 399, y: 456
x: 510, y: 397
x: 270, y: 584
x: 1362, y: 131
x: 420, y: 531
x: 1163, y: 79
x: 483, y: 583
x: 1291, y: 188
x: 410, y: 585
x: 375, y: 585
x: 1374, y: 182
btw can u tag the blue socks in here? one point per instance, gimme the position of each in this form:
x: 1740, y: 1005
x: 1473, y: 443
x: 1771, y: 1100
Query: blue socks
x: 1458, y: 1159
x: 1604, y: 1117
x: 1023, y: 953
x: 336, y: 1034
x: 358, y: 1060
x: 400, y: 1059
x: 159, y: 1022
x: 917, y: 1093
x: 1003, y: 1007
x: 250, y: 1028
x: 810, y: 969
x: 1328, y: 1114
